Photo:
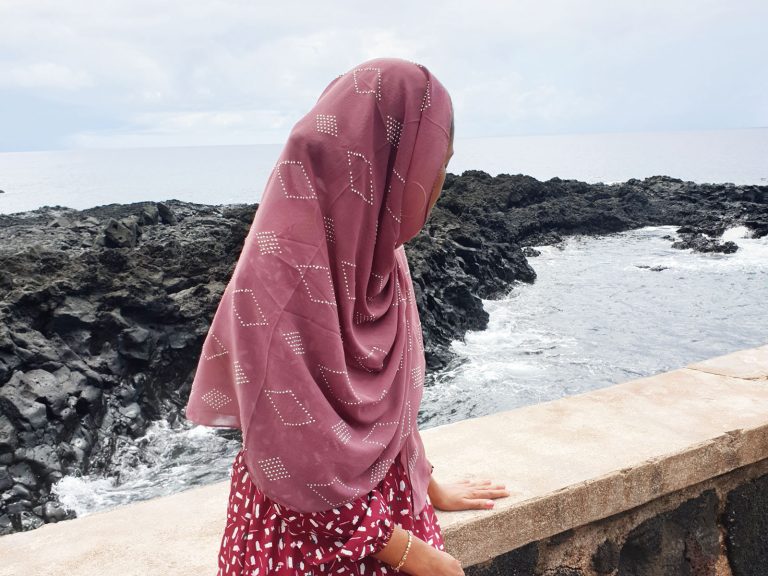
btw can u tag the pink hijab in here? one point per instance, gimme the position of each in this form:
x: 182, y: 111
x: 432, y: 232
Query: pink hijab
x: 315, y: 351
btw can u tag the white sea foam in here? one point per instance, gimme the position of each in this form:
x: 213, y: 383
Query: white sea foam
x: 83, y: 494
x: 752, y: 254
x: 163, y: 461
x: 736, y: 233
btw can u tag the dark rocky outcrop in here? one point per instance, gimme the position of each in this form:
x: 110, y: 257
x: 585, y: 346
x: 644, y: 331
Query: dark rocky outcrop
x: 746, y: 526
x: 103, y: 314
x: 700, y: 242
x: 104, y: 310
x: 481, y: 230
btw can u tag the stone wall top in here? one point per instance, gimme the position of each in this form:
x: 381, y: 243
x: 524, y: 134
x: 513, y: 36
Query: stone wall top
x: 566, y: 462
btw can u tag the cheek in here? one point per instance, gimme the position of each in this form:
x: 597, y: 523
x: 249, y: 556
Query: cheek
x: 439, y: 183
x: 437, y: 188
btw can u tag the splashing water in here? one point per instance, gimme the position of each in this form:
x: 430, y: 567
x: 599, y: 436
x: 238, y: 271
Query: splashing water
x: 603, y: 310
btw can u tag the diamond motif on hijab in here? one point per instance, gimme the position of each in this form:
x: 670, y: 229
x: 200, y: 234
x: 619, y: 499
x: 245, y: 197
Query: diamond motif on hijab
x: 359, y: 175
x: 294, y: 180
x: 368, y: 81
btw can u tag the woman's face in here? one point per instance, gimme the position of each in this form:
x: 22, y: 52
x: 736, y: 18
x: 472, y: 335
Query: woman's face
x: 441, y: 177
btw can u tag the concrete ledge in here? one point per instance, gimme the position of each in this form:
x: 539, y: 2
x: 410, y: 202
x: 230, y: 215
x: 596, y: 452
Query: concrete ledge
x: 177, y: 534
x: 578, y: 459
x: 567, y: 462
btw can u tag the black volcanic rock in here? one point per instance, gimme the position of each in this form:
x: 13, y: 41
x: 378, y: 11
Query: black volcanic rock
x: 745, y: 519
x: 98, y: 337
x: 104, y: 311
x: 700, y: 242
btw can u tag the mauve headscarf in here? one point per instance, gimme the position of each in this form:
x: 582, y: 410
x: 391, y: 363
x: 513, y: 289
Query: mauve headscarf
x: 315, y: 351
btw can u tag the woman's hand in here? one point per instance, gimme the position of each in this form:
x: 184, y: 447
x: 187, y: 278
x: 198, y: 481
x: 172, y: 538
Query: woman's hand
x: 422, y: 560
x: 465, y: 494
x: 443, y: 564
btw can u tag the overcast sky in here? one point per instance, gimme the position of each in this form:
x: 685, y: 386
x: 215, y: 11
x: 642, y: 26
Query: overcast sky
x: 114, y: 73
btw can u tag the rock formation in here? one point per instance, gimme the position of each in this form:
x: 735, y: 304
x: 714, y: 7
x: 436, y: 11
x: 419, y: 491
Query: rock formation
x: 104, y: 310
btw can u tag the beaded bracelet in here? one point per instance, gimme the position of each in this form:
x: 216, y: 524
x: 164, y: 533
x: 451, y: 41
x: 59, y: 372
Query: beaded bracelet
x: 407, y: 547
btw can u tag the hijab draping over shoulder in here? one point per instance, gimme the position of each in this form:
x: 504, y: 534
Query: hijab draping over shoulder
x: 315, y: 351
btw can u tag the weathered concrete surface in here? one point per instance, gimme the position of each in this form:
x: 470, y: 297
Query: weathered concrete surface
x: 751, y: 364
x: 568, y: 463
x: 173, y: 535
x: 574, y: 460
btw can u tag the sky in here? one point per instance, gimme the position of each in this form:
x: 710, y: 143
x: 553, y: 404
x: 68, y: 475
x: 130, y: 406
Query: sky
x: 136, y: 73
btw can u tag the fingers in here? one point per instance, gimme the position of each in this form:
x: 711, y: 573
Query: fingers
x: 480, y: 492
x: 497, y: 493
x: 479, y: 503
x: 475, y: 482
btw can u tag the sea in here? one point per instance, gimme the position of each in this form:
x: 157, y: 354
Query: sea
x: 603, y: 310
x: 238, y: 174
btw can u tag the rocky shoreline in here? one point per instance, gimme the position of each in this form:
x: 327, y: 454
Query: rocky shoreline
x: 104, y: 310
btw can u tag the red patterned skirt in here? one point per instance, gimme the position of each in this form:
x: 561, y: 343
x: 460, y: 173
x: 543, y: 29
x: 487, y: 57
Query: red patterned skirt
x: 262, y: 537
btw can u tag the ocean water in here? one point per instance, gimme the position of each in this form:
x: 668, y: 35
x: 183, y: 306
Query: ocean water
x: 604, y: 310
x: 597, y: 315
x: 234, y: 174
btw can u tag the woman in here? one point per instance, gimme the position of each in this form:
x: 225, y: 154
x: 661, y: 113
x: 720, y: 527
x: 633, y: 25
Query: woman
x: 315, y: 351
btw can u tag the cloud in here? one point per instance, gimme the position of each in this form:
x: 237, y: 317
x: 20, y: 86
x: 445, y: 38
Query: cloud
x: 44, y: 75
x: 202, y: 128
x: 173, y: 72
